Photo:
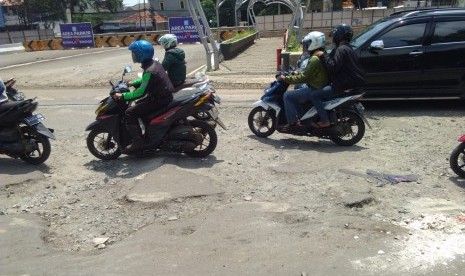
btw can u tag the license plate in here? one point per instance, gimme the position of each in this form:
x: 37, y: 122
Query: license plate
x: 34, y: 119
x: 18, y: 97
x: 213, y: 112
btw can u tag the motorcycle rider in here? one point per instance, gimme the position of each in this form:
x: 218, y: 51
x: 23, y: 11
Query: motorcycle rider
x: 174, y: 59
x: 314, y: 76
x: 342, y: 65
x: 155, y: 84
x: 302, y: 64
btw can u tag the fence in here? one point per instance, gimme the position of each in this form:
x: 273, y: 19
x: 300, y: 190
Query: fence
x: 328, y: 19
x: 20, y: 36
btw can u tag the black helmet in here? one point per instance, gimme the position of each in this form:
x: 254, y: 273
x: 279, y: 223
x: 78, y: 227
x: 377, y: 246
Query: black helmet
x: 341, y: 32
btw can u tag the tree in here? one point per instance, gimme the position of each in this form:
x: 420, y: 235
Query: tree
x: 49, y: 11
x: 209, y: 10
x: 262, y: 9
x: 226, y: 11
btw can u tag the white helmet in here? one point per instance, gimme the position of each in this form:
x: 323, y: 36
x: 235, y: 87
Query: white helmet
x: 314, y: 40
x: 168, y: 41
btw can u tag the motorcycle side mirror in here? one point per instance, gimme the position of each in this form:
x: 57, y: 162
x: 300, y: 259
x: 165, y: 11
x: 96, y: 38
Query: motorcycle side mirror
x: 127, y: 69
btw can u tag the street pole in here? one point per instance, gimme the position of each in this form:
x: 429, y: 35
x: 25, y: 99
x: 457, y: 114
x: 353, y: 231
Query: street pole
x: 140, y: 19
x: 218, y: 5
x: 145, y: 18
x: 217, y: 24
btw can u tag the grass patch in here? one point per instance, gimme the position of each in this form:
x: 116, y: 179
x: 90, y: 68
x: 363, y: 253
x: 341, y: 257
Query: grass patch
x: 293, y: 45
x: 240, y: 35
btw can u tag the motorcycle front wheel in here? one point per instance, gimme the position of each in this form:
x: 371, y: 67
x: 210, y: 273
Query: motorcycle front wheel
x: 262, y: 122
x: 42, y: 150
x: 457, y: 160
x: 209, y: 139
x: 354, y: 129
x: 103, y: 145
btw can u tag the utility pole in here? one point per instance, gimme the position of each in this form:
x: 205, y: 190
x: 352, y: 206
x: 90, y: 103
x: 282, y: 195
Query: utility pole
x: 140, y: 18
x: 145, y: 18
x: 68, y: 12
x: 154, y: 20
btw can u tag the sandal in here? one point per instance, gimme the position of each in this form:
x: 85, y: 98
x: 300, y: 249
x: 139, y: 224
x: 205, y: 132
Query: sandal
x: 320, y: 124
x: 288, y: 127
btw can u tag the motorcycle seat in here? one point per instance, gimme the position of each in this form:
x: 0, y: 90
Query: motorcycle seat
x: 349, y: 92
x: 7, y: 107
x: 178, y: 100
x: 186, y: 83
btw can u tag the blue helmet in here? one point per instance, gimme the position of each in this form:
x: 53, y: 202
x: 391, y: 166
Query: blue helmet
x: 142, y: 51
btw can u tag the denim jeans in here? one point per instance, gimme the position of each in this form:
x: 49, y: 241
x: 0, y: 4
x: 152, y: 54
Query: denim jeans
x: 292, y: 101
x: 317, y: 96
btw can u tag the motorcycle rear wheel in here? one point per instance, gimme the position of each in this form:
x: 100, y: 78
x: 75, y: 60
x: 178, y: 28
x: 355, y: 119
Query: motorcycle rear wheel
x: 457, y: 160
x: 103, y: 145
x: 41, y: 153
x: 357, y: 129
x: 209, y: 141
x: 261, y: 124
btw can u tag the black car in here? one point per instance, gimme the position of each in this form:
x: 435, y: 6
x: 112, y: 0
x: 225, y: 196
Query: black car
x: 414, y: 54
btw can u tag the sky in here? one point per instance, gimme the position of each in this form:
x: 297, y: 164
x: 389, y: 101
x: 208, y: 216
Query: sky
x: 133, y: 2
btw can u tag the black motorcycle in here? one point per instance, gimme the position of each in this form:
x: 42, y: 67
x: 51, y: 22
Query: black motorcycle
x: 22, y: 133
x: 170, y: 129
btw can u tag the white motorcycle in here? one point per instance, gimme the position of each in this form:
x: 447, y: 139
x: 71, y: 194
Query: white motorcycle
x: 345, y: 113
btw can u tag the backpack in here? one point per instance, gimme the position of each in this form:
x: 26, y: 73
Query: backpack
x: 274, y: 91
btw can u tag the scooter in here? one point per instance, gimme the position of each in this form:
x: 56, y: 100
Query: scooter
x: 457, y: 158
x: 22, y: 133
x: 346, y: 115
x: 169, y: 129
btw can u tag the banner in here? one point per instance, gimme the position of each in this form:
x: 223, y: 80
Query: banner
x: 184, y: 29
x: 77, y: 35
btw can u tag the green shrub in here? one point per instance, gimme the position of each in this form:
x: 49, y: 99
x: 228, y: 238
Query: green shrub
x: 292, y: 44
x: 240, y: 35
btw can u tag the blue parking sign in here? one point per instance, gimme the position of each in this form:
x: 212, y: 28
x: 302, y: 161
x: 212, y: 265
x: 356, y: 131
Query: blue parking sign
x: 77, y: 35
x: 184, y: 29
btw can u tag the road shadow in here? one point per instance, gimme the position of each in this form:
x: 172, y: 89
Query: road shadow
x: 435, y: 108
x: 132, y: 166
x: 186, y: 162
x: 303, y: 144
x: 10, y: 166
x: 458, y: 181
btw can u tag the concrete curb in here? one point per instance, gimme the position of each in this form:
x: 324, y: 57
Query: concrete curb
x: 201, y: 68
x: 11, y: 47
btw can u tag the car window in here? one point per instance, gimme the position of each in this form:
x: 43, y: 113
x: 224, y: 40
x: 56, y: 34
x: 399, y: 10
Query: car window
x: 369, y: 31
x: 406, y: 35
x: 451, y: 31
